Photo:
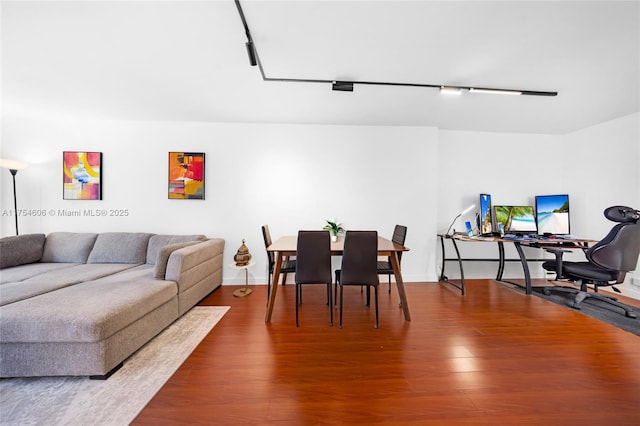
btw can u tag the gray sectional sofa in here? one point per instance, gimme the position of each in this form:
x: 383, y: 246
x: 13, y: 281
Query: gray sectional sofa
x: 79, y: 304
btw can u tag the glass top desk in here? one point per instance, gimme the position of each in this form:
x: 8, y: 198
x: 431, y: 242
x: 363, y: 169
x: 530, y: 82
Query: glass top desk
x: 543, y: 243
x: 286, y: 246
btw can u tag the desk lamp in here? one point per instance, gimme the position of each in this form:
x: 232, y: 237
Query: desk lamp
x: 13, y: 166
x: 465, y: 211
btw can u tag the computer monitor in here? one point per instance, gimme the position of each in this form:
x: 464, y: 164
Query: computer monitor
x: 515, y: 219
x: 486, y: 215
x: 552, y: 214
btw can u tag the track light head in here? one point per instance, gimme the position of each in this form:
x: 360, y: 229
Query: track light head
x: 342, y: 86
x: 251, y: 51
x: 497, y: 91
x: 451, y: 90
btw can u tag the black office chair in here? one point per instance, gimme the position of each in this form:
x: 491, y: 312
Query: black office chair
x: 287, y: 265
x: 384, y: 267
x: 607, y: 263
x: 359, y: 264
x: 313, y: 265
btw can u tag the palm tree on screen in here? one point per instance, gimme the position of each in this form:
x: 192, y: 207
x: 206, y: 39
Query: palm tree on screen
x: 505, y: 214
x: 486, y: 223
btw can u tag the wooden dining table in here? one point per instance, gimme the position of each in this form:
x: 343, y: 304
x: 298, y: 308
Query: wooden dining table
x: 286, y: 246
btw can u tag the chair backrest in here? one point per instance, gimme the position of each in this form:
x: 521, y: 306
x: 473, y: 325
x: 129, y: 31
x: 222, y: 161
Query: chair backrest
x: 399, y: 235
x: 359, y: 259
x: 266, y: 235
x: 313, y: 257
x: 619, y: 250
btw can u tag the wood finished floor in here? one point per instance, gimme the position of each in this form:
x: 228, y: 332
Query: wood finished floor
x: 494, y: 356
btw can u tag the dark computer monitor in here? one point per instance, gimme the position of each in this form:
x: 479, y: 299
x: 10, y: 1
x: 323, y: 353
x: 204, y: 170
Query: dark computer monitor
x: 515, y: 219
x: 486, y: 215
x: 552, y: 214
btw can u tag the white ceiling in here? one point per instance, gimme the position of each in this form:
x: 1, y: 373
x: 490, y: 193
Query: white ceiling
x: 186, y: 61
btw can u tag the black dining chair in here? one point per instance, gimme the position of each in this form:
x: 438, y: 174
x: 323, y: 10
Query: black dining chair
x: 287, y: 264
x: 384, y: 267
x: 359, y: 265
x: 313, y: 265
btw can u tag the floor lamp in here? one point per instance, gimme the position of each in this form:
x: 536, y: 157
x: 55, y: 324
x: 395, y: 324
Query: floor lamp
x: 13, y: 166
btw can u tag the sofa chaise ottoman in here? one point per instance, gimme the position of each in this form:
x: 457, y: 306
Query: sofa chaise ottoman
x: 79, y: 304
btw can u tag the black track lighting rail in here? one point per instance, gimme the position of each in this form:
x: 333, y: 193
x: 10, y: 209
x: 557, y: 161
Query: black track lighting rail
x: 348, y: 85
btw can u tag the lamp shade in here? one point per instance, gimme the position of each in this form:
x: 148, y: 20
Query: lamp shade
x: 12, y: 164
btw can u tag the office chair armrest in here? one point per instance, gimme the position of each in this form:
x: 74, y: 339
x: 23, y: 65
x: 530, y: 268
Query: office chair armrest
x: 558, y: 253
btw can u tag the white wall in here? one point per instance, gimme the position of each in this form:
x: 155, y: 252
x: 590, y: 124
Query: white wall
x: 296, y: 176
x: 288, y: 176
x: 606, y: 159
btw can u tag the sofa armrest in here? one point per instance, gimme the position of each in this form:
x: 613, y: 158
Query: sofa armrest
x: 190, y: 266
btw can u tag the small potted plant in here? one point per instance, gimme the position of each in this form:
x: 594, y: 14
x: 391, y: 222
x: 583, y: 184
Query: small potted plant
x: 335, y: 228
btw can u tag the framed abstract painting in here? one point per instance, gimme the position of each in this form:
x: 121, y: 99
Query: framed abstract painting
x: 81, y: 175
x: 186, y: 175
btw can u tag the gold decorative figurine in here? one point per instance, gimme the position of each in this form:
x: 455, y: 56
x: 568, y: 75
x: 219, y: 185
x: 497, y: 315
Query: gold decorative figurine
x: 242, y: 256
x: 242, y: 260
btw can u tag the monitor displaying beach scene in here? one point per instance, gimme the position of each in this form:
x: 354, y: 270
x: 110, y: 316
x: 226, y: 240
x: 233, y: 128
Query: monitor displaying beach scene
x: 552, y: 214
x: 486, y: 221
x: 515, y: 219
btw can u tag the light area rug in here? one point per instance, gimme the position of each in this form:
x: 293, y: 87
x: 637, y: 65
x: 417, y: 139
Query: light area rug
x: 117, y: 400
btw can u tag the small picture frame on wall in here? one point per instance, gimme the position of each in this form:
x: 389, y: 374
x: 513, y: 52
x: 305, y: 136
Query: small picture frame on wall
x: 81, y: 175
x: 186, y: 175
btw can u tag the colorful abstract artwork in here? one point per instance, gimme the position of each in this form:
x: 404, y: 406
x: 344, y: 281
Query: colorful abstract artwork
x: 186, y: 175
x: 82, y: 175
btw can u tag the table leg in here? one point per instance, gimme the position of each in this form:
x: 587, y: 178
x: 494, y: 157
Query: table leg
x: 395, y: 263
x: 245, y: 291
x: 274, y: 287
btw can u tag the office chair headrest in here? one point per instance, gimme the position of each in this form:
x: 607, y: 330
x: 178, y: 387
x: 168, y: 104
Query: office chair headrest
x: 622, y: 214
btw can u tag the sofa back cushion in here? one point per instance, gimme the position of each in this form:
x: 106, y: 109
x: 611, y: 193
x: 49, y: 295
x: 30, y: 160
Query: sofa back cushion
x: 21, y: 250
x: 120, y: 247
x: 68, y: 247
x: 158, y: 241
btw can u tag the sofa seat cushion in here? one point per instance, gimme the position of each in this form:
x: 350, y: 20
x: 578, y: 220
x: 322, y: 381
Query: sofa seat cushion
x: 21, y: 249
x: 23, y: 272
x: 131, y: 275
x: 86, y: 312
x: 68, y: 247
x: 55, y: 279
x: 120, y: 247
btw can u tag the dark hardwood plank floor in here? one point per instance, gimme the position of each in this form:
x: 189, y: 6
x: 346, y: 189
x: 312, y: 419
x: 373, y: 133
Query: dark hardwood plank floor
x: 494, y: 356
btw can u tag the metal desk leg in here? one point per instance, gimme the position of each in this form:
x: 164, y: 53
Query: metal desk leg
x: 525, y: 267
x: 443, y: 277
x: 500, y: 260
x: 444, y: 255
x: 455, y: 246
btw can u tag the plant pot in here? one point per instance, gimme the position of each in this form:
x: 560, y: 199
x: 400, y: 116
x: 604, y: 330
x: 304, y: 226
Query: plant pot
x: 334, y: 238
